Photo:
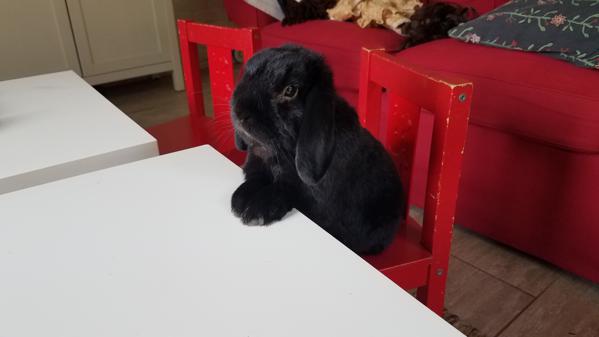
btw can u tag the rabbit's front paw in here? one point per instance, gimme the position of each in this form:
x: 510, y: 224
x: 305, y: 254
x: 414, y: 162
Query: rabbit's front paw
x: 265, y: 207
x: 243, y: 194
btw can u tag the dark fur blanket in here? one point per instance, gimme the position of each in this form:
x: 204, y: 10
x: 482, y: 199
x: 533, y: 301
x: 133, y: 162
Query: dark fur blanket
x: 304, y: 10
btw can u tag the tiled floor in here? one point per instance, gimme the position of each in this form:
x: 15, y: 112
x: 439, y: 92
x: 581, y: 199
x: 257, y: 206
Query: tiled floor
x: 509, y: 294
x: 492, y: 288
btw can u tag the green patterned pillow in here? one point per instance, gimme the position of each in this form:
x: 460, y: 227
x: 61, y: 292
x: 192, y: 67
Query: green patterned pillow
x: 564, y: 29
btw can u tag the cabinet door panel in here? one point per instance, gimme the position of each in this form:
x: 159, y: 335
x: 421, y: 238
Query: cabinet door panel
x: 35, y: 38
x: 115, y: 35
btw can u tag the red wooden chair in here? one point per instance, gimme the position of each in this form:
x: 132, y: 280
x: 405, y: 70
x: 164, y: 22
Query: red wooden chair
x: 419, y: 256
x: 197, y: 128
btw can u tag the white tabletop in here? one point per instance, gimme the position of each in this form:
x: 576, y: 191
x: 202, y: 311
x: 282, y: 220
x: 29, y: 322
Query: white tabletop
x: 56, y: 125
x: 151, y: 249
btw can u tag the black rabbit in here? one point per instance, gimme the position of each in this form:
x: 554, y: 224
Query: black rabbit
x: 307, y: 149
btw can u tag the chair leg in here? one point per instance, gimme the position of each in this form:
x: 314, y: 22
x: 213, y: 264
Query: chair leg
x: 433, y: 294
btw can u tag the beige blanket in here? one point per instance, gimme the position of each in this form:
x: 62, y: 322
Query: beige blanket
x: 388, y: 13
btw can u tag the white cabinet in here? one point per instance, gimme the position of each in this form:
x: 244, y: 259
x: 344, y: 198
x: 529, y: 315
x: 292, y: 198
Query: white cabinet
x: 103, y: 41
x: 35, y: 38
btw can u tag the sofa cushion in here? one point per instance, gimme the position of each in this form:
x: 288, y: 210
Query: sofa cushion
x: 521, y: 93
x: 568, y: 30
x: 339, y: 42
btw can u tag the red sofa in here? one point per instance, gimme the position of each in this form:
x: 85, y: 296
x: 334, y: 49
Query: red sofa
x: 531, y: 167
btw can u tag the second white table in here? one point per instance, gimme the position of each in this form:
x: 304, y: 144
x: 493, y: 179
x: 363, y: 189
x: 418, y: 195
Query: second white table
x: 56, y: 125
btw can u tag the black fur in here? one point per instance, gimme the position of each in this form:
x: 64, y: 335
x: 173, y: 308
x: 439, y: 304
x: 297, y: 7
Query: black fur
x: 297, y: 12
x: 433, y: 21
x: 311, y: 153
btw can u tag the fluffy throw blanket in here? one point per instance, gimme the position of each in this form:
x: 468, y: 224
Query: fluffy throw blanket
x: 387, y: 13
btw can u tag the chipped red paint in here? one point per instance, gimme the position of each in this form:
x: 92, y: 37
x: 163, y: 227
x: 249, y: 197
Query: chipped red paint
x: 419, y: 256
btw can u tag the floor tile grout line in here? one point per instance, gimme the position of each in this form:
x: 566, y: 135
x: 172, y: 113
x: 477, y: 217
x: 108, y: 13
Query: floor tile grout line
x: 497, y: 278
x: 524, y: 309
x: 507, y: 325
x: 557, y: 276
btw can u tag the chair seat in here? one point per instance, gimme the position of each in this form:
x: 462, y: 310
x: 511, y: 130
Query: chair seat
x: 405, y: 253
x: 186, y: 132
x: 176, y: 135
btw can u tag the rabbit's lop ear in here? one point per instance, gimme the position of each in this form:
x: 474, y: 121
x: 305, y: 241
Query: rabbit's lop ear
x: 316, y: 139
x: 240, y: 144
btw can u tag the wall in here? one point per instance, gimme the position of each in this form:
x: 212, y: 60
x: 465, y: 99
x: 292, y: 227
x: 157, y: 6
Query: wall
x: 205, y: 11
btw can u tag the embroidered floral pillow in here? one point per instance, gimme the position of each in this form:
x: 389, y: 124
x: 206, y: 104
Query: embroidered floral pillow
x: 564, y: 29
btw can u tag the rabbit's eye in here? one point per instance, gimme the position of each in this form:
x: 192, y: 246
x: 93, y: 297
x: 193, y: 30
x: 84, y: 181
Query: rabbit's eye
x: 290, y: 92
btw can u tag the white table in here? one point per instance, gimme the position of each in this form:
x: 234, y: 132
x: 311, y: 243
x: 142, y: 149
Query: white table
x: 56, y: 125
x: 151, y: 249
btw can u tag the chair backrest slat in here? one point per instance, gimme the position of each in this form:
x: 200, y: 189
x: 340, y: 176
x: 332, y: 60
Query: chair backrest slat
x: 222, y: 79
x: 400, y: 138
x: 243, y: 39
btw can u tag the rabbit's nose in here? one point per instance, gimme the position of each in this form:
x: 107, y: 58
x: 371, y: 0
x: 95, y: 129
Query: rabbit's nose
x: 242, y: 115
x: 242, y: 118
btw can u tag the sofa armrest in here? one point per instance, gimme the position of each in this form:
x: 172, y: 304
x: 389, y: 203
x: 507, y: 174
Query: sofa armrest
x: 245, y: 15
